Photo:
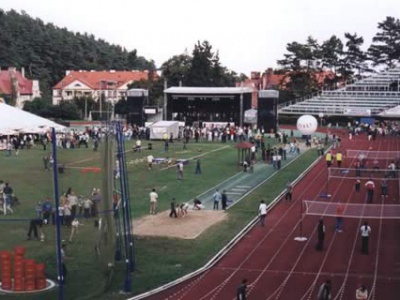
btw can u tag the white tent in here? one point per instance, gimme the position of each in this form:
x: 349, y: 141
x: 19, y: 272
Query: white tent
x: 158, y: 129
x: 14, y: 119
x: 250, y: 116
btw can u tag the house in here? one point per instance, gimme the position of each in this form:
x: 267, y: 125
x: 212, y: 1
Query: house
x: 14, y: 85
x: 112, y: 84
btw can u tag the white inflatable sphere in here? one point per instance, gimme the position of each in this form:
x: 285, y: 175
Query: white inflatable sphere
x: 307, y: 124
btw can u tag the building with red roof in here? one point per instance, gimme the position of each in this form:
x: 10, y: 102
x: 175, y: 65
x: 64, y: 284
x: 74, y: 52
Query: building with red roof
x: 113, y: 84
x: 14, y: 84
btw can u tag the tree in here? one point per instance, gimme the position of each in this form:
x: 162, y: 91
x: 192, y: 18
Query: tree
x: 200, y: 71
x: 85, y: 105
x: 353, y: 57
x: 332, y: 51
x: 385, y: 48
x: 46, y: 50
x: 38, y: 106
x: 175, y: 70
x: 300, y: 65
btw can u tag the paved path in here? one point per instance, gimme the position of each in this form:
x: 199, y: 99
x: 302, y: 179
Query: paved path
x: 240, y: 184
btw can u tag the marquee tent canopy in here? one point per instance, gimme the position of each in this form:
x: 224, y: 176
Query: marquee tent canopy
x: 14, y: 120
x: 158, y: 129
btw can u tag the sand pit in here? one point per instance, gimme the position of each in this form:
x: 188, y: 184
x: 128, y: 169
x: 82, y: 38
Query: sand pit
x: 188, y: 227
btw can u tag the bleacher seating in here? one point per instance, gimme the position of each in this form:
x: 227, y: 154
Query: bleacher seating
x: 368, y: 96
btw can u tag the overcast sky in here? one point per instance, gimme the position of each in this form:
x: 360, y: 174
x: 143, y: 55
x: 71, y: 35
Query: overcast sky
x: 249, y: 35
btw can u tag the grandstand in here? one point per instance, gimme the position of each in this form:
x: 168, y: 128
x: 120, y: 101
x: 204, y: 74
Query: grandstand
x: 370, y: 96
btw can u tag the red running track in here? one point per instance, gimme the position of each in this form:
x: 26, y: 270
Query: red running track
x: 278, y: 267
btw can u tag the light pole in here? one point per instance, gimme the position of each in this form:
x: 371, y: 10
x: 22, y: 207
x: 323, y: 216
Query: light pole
x: 321, y: 117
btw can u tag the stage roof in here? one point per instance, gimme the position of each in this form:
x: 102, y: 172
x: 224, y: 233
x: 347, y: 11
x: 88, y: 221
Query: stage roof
x: 208, y: 90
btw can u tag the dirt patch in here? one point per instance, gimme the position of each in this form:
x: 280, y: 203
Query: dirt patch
x: 188, y: 227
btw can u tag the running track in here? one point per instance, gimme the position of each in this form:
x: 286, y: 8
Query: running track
x: 277, y: 267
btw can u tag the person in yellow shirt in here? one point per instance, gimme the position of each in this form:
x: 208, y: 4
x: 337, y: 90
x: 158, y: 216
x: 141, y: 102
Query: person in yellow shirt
x: 339, y: 158
x: 328, y: 159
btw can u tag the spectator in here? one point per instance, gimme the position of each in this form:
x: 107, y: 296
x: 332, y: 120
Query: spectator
x: 224, y: 200
x: 217, y: 198
x: 87, y: 204
x: 7, y: 196
x: 47, y: 210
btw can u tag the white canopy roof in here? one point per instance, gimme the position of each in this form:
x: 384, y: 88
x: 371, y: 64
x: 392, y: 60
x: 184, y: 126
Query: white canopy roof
x: 207, y: 90
x: 15, y: 119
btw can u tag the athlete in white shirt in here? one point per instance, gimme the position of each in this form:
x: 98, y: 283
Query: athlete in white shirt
x: 262, y: 209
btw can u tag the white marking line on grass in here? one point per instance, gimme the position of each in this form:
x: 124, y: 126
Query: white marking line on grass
x: 197, y: 156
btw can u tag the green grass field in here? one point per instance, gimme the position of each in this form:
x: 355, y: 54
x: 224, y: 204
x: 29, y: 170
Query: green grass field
x: 158, y: 260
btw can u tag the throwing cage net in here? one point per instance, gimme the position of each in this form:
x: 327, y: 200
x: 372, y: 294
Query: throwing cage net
x: 353, y: 173
x: 349, y: 210
x: 378, y: 155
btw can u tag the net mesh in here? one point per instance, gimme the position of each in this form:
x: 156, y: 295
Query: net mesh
x: 369, y: 154
x: 353, y: 173
x: 352, y: 210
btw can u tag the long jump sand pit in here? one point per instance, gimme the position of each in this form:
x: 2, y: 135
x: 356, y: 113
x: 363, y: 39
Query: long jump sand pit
x: 188, y: 227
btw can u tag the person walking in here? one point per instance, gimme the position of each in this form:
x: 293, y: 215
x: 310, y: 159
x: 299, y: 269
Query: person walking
x: 321, y: 235
x: 362, y: 293
x: 289, y: 191
x: 262, y: 211
x: 357, y: 167
x: 325, y: 291
x: 357, y: 185
x: 224, y: 200
x: 370, y: 186
x: 150, y: 160
x: 339, y: 158
x: 241, y: 293
x: 217, y: 197
x: 7, y: 197
x: 63, y: 258
x: 328, y: 159
x: 198, y: 167
x: 180, y: 170
x: 339, y: 217
x: 173, y: 212
x: 384, y: 188
x: 153, y: 201
x: 34, y: 224
x: 365, y: 233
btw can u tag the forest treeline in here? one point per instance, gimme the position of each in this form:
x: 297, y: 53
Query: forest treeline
x: 47, y: 51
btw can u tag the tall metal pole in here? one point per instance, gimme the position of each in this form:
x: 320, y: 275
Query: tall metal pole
x: 101, y: 100
x: 165, y: 100
x: 58, y: 220
x: 125, y: 201
x: 85, y: 108
x: 241, y: 105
